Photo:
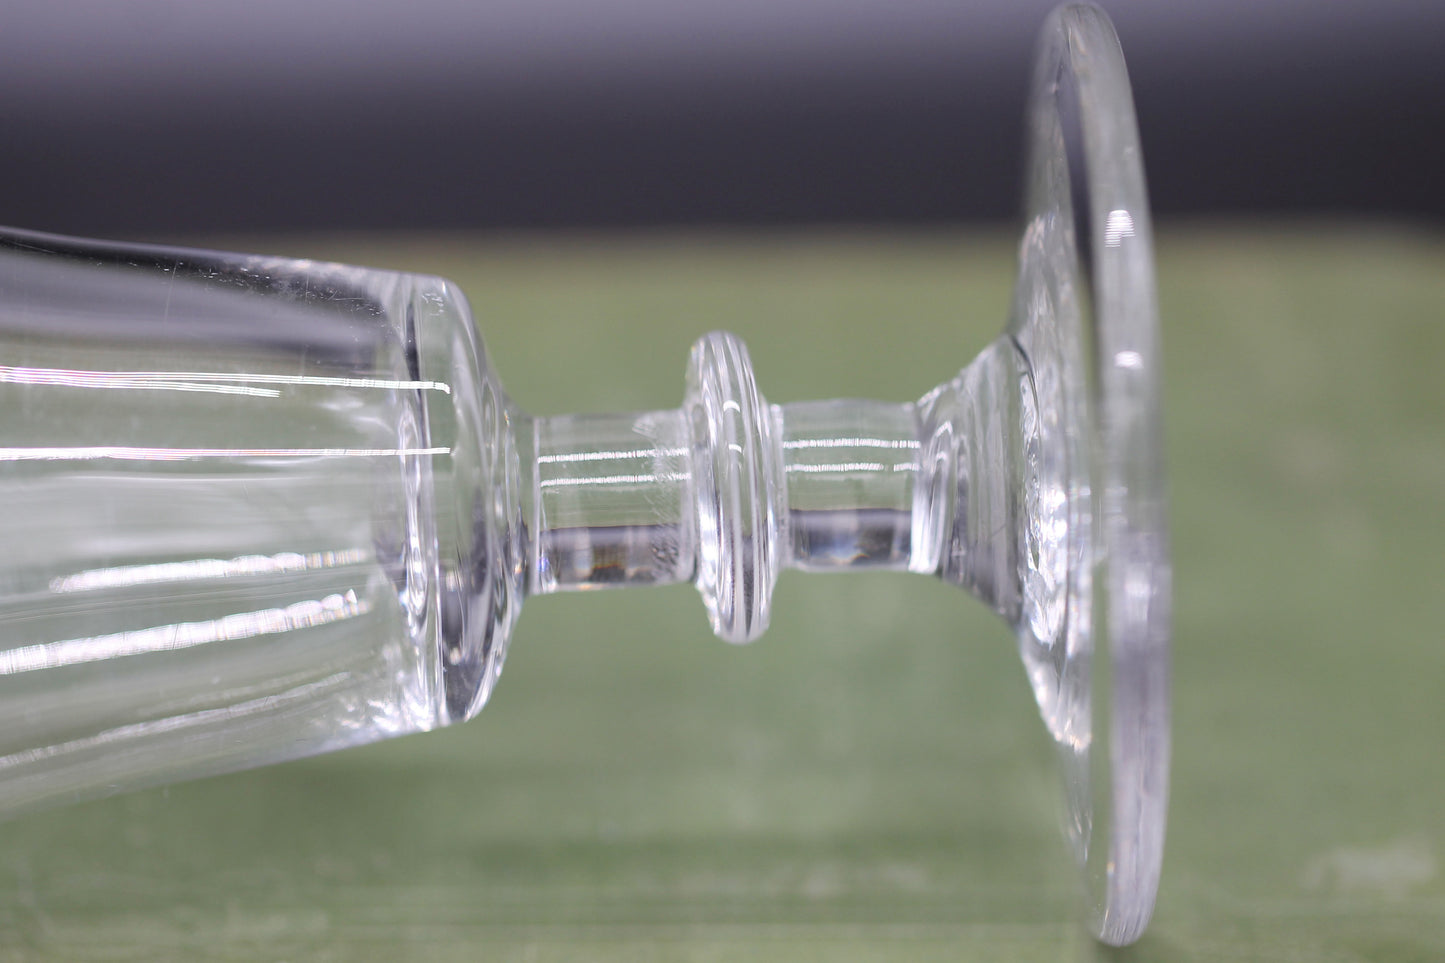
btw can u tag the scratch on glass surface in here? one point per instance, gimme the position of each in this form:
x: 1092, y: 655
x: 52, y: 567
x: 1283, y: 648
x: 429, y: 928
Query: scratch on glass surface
x: 122, y: 576
x: 132, y: 380
x: 614, y: 480
x: 898, y: 444
x: 155, y: 727
x: 579, y: 456
x: 182, y: 635
x: 1117, y: 226
x: 128, y: 453
x: 847, y: 466
x: 217, y: 382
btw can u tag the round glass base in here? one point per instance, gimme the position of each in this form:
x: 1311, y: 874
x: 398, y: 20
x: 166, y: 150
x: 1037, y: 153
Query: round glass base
x: 1094, y: 627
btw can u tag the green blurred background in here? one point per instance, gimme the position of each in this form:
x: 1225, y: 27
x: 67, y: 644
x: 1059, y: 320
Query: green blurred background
x: 870, y: 781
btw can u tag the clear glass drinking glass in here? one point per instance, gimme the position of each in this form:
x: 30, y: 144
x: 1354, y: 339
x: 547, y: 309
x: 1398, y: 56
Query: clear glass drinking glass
x: 259, y: 508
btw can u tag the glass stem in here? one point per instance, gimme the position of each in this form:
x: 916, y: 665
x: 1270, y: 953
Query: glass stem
x: 851, y: 468
x: 728, y: 490
x: 612, y: 502
x: 616, y: 504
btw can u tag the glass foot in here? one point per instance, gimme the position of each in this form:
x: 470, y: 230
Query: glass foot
x: 1085, y: 311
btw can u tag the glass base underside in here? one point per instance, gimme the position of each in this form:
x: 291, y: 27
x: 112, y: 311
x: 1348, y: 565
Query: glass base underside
x: 1085, y: 318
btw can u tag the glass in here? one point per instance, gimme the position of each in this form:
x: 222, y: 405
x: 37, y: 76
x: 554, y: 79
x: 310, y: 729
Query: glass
x: 260, y: 508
